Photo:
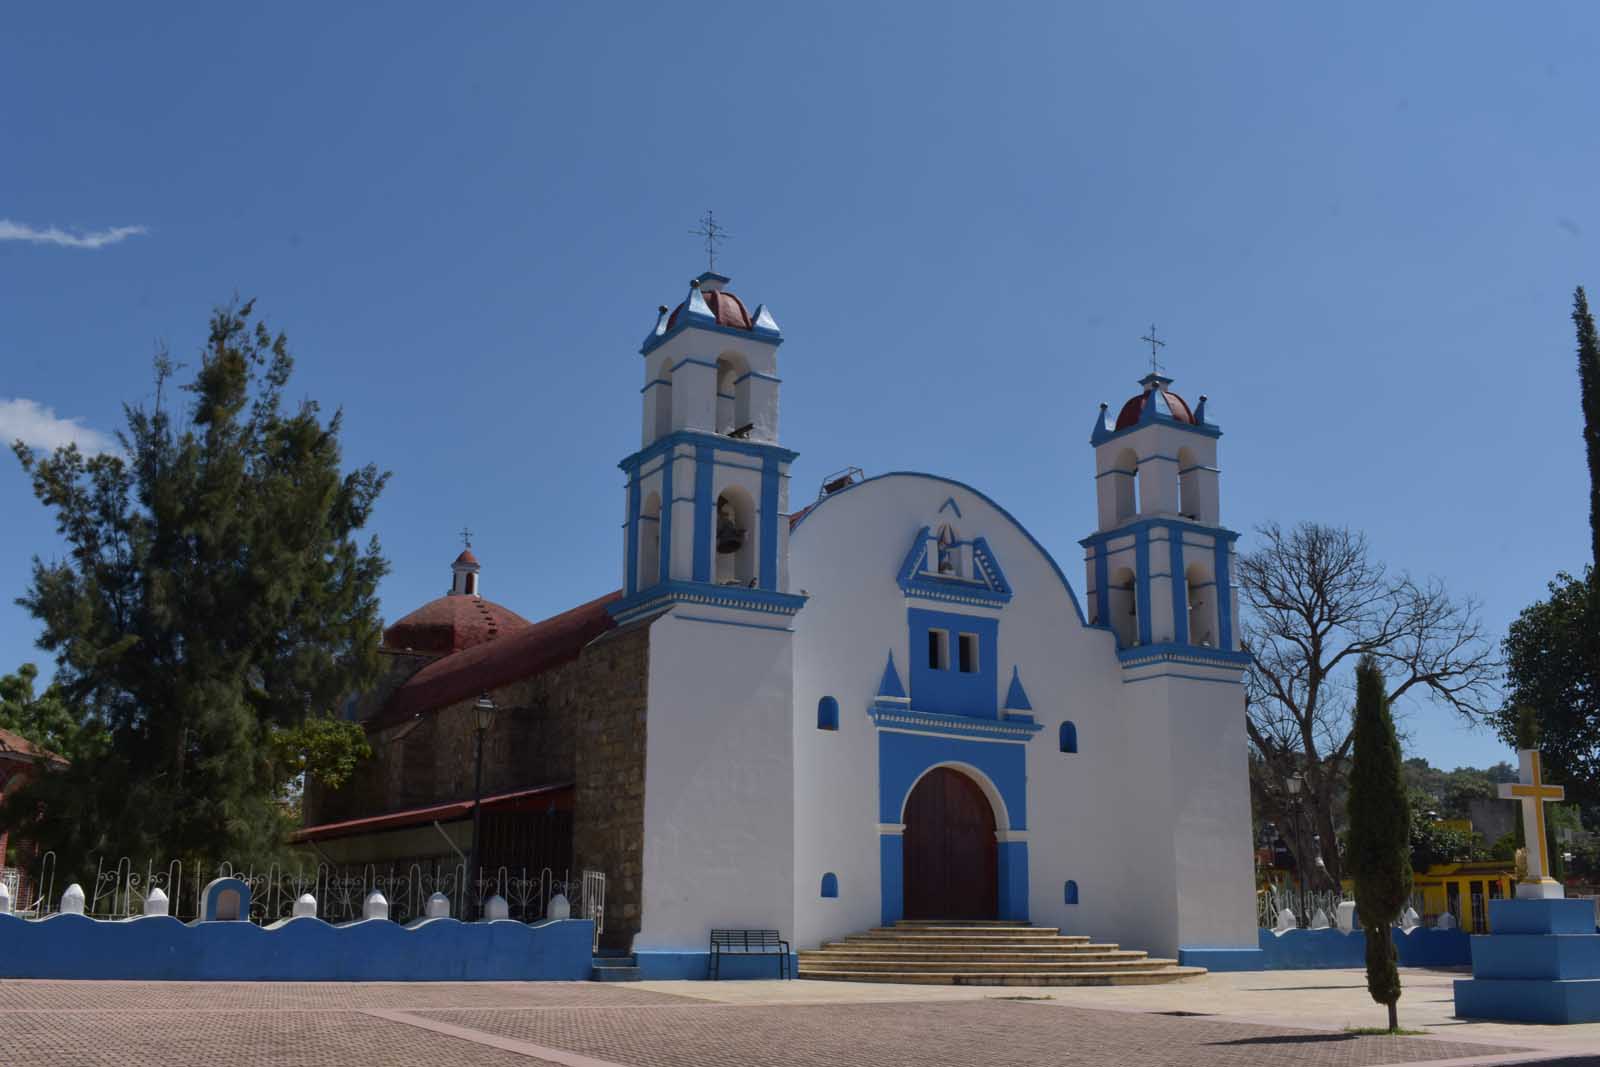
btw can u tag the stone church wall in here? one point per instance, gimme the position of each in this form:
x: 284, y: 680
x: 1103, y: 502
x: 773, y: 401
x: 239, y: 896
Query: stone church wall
x: 581, y: 722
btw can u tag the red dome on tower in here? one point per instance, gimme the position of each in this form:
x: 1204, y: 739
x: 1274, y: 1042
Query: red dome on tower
x: 451, y: 623
x: 1177, y: 406
x: 728, y: 309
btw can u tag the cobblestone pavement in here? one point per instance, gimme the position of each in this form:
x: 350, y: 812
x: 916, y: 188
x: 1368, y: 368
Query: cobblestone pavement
x: 90, y: 1024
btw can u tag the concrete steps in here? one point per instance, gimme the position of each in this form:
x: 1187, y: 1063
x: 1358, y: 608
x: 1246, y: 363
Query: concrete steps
x: 983, y: 953
x: 614, y: 968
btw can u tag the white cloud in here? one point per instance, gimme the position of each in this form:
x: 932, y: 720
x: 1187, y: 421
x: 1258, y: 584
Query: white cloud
x: 55, y: 235
x: 40, y: 427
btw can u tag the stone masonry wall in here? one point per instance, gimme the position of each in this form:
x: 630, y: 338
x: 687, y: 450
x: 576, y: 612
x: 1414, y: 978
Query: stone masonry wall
x: 582, y: 722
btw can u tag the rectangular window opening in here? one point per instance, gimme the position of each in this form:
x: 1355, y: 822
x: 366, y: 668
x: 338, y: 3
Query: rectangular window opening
x: 968, y: 646
x: 939, y: 650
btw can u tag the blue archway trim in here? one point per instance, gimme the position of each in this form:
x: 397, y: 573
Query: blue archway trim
x: 1071, y: 594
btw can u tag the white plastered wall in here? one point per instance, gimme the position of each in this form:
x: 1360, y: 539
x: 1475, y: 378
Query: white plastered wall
x: 719, y: 818
x: 846, y: 555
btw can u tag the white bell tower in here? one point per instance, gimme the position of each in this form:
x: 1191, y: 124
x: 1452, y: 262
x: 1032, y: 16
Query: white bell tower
x: 1160, y: 565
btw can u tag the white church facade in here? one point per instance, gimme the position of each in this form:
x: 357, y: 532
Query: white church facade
x: 893, y: 704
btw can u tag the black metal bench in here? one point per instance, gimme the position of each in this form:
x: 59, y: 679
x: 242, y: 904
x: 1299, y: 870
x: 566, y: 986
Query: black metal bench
x: 747, y: 943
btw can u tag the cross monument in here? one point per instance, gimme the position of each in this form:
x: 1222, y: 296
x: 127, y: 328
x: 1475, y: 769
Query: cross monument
x: 1534, y: 794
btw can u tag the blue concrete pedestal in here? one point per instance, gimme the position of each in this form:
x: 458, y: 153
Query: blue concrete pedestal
x: 1541, y: 964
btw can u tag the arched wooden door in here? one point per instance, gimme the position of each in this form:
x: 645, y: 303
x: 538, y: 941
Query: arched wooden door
x: 949, y: 849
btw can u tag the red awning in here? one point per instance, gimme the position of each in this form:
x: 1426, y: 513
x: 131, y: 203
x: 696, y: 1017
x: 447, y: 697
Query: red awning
x: 539, y: 798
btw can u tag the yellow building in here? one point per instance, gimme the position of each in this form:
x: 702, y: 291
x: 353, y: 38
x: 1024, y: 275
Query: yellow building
x: 1464, y: 890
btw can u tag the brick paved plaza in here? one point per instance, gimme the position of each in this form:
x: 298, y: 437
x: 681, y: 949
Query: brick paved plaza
x: 738, y: 1024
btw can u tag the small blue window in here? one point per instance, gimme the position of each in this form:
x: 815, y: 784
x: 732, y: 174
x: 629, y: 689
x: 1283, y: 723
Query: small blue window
x: 1072, y: 891
x: 827, y: 714
x: 1069, y: 737
x: 830, y: 886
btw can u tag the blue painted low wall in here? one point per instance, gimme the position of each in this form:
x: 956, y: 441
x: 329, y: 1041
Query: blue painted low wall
x: 1313, y: 949
x: 303, y: 949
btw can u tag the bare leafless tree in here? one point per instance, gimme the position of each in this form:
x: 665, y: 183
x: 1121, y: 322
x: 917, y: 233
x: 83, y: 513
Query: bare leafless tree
x: 1314, y: 603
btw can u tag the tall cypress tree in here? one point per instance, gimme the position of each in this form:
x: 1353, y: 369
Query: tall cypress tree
x: 1589, y: 388
x: 1380, y: 833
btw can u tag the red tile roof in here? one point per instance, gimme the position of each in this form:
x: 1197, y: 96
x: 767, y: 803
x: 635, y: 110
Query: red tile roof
x: 16, y: 745
x: 535, y: 799
x: 467, y: 557
x: 452, y: 623
x: 523, y: 653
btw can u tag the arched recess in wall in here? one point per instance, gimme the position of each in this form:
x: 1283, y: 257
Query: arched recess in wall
x: 1127, y: 484
x: 1124, y: 605
x: 827, y: 714
x: 661, y: 397
x: 733, y: 392
x: 736, y: 537
x: 830, y: 886
x: 1188, y: 484
x: 1072, y: 891
x: 1201, y: 590
x: 650, y: 541
x: 1069, y: 737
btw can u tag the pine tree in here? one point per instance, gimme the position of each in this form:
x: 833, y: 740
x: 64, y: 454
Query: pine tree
x: 212, y: 609
x: 1379, y: 859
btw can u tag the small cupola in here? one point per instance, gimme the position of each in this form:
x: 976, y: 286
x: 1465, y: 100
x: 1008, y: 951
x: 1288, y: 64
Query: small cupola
x: 464, y: 574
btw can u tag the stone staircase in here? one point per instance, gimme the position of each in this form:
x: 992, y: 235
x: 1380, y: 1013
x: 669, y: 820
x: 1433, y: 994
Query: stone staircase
x: 959, y: 952
x: 610, y: 965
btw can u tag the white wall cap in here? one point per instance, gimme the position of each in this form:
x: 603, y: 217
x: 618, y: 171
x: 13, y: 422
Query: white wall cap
x: 376, y: 906
x: 5, y: 900
x: 560, y: 907
x: 437, y: 907
x: 305, y: 905
x: 72, y: 900
x: 496, y: 908
x: 156, y: 903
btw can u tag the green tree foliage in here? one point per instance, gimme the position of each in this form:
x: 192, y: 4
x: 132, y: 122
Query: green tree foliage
x: 1548, y: 652
x: 1380, y: 832
x: 213, y: 605
x: 45, y: 719
x: 1432, y: 843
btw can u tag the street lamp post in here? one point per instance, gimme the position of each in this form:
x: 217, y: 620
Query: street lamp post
x: 1293, y: 785
x: 484, y: 710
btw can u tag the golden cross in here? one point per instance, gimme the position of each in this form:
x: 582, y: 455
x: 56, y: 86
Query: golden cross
x: 1533, y: 794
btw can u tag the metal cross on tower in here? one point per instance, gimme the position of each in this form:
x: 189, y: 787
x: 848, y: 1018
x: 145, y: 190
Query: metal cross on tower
x: 466, y: 537
x: 1155, y: 364
x: 712, y: 232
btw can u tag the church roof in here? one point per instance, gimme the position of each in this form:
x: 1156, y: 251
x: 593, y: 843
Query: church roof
x: 452, y: 623
x: 525, y: 652
x: 539, y: 798
x: 466, y: 557
x: 16, y: 746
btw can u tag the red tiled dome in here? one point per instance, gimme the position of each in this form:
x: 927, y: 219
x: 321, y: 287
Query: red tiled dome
x: 467, y: 557
x: 452, y: 623
x: 1129, y: 415
x: 729, y: 310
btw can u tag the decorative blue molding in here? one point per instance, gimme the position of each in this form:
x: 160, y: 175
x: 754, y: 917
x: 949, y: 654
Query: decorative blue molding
x: 827, y: 714
x: 830, y: 886
x: 950, y: 502
x: 1012, y: 730
x: 663, y: 595
x: 767, y: 571
x: 664, y: 563
x: 988, y: 588
x: 631, y: 586
x: 903, y: 758
x: 761, y: 337
x: 1180, y: 603
x: 891, y: 877
x: 716, y: 441
x: 1224, y: 578
x: 1069, y: 738
x: 1141, y: 566
x: 1170, y: 522
x: 1196, y: 655
x: 758, y: 376
x: 704, y: 508
x: 1056, y: 567
x: 733, y: 622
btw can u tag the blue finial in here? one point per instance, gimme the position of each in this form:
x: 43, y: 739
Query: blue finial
x: 890, y: 688
x: 1016, y: 696
x: 1103, y: 426
x: 1200, y: 412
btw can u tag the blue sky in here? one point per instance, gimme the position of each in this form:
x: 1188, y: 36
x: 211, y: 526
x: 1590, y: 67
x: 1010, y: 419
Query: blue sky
x: 1359, y: 227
